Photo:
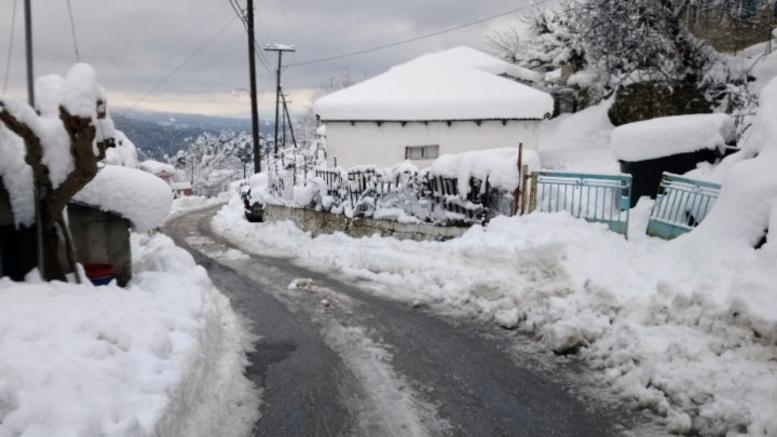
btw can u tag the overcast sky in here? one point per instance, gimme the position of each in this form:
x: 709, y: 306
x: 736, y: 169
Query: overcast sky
x: 133, y: 44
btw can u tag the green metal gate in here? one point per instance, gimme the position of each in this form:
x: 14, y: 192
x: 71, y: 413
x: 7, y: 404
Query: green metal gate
x: 593, y: 197
x: 682, y: 203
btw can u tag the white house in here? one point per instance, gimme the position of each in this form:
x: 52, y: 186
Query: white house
x: 449, y: 102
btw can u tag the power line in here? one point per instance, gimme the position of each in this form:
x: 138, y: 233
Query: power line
x: 10, y: 48
x: 182, y: 64
x: 239, y: 12
x: 418, y: 37
x: 73, y: 31
x: 286, y: 19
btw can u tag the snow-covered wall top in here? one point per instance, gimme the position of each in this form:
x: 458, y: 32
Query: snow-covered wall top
x: 156, y: 167
x: 666, y: 136
x: 140, y: 197
x: 434, y: 87
x: 500, y: 166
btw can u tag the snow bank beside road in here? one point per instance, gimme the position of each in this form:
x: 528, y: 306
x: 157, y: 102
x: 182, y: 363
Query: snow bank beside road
x: 163, y: 357
x: 684, y: 336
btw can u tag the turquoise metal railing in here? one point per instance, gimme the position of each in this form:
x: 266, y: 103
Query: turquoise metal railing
x: 593, y: 197
x: 682, y: 203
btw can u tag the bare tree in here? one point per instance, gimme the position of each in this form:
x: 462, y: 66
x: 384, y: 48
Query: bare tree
x: 86, y: 150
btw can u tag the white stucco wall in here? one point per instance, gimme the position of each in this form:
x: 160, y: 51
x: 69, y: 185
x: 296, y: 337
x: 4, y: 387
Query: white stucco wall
x: 384, y: 145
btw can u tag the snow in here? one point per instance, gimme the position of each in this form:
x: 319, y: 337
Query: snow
x: 53, y: 137
x: 500, y: 166
x: 181, y: 185
x: 124, y: 153
x: 143, y: 199
x: 666, y: 136
x: 156, y: 167
x: 470, y: 57
x: 47, y: 98
x: 744, y: 208
x: 186, y: 204
x: 434, y: 88
x: 16, y: 177
x: 165, y: 356
x: 80, y: 91
x: 579, y: 142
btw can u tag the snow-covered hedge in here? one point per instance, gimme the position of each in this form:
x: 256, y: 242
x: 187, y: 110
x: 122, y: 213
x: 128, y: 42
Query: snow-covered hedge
x: 165, y: 356
x: 455, y: 188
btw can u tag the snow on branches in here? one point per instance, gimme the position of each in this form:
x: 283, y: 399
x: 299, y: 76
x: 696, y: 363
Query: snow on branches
x: 64, y: 138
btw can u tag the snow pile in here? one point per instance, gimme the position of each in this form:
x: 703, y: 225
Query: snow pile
x: 186, y: 204
x: 16, y: 177
x: 748, y: 199
x: 666, y: 136
x: 433, y: 88
x: 499, y: 166
x: 579, y: 142
x: 143, y: 199
x: 124, y: 153
x: 156, y: 167
x: 163, y: 357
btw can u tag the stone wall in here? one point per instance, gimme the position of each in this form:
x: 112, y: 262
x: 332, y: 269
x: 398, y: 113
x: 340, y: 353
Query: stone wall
x: 318, y: 222
x: 730, y: 34
x: 646, y: 100
x: 101, y: 238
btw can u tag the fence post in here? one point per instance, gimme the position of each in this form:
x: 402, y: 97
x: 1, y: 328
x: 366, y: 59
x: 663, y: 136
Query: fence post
x: 533, y: 193
x: 524, y: 180
x: 519, y: 190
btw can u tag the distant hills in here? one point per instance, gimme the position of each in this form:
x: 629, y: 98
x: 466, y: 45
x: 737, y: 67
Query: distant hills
x: 157, y: 134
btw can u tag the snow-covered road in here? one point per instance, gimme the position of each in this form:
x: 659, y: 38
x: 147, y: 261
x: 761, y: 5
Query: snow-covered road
x: 335, y: 360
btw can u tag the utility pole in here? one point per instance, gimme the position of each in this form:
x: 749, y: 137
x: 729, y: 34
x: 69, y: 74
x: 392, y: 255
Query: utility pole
x: 288, y: 119
x: 280, y: 48
x: 31, y: 100
x: 28, y: 43
x: 252, y: 80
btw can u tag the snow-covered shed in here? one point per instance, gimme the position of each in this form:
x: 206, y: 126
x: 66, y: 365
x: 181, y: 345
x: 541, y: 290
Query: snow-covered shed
x: 448, y: 102
x: 677, y: 144
x: 102, y: 213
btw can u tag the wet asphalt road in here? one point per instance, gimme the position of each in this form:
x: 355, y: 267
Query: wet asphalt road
x: 321, y: 375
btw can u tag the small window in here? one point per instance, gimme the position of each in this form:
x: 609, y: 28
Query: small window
x: 422, y: 152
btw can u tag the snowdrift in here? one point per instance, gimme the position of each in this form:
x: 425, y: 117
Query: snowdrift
x: 163, y: 357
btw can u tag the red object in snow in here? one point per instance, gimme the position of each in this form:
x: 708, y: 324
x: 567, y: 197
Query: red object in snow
x: 99, y: 274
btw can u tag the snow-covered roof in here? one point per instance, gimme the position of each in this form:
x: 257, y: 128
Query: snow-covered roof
x: 138, y: 196
x: 156, y: 167
x: 666, y: 136
x: 180, y: 185
x: 483, y: 61
x: 437, y: 87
